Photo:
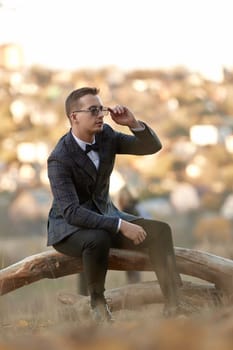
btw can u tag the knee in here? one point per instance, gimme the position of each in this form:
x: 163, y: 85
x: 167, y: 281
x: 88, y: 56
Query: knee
x: 166, y: 231
x: 167, y: 227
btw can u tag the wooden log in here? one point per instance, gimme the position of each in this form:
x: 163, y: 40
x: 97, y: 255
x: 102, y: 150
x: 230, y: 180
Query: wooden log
x: 51, y: 264
x: 208, y: 267
x: 135, y: 295
x: 129, y: 296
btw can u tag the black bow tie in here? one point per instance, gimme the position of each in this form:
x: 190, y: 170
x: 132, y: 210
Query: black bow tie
x: 92, y: 147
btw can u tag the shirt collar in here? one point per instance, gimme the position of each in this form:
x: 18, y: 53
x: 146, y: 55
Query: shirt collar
x: 82, y: 143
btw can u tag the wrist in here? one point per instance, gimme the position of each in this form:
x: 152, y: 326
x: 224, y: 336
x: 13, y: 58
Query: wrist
x: 135, y: 124
x: 141, y: 127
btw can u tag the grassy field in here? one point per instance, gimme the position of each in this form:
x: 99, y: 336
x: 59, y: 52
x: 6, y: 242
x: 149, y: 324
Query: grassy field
x: 32, y: 317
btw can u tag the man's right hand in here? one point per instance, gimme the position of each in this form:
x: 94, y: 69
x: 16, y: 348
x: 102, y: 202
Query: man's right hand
x: 132, y: 231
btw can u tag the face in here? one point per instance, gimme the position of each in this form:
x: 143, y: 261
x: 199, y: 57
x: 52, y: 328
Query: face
x: 84, y: 124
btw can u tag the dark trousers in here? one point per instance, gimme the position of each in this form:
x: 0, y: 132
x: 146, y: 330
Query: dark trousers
x: 131, y: 276
x: 93, y: 246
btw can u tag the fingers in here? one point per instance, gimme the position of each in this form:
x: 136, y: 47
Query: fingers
x: 134, y: 232
x: 138, y: 241
x: 117, y: 109
x: 141, y: 235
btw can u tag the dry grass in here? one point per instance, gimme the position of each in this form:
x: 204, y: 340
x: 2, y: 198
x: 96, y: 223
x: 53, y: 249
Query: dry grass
x: 33, y: 318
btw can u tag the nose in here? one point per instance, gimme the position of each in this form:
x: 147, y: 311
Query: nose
x: 101, y: 114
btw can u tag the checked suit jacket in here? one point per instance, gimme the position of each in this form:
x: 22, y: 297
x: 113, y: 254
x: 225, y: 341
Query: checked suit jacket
x: 81, y: 192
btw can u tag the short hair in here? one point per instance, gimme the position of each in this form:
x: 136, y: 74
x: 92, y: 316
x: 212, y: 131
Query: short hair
x: 76, y: 95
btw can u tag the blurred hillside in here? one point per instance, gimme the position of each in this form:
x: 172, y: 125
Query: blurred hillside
x: 189, y: 182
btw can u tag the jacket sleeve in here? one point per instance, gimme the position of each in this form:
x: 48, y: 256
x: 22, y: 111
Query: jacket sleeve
x: 142, y: 142
x: 67, y: 203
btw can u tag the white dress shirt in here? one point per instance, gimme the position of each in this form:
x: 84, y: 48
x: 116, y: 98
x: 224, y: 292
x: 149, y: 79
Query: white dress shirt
x: 93, y: 155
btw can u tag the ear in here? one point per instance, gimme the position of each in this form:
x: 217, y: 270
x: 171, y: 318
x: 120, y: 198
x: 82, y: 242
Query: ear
x: 73, y: 117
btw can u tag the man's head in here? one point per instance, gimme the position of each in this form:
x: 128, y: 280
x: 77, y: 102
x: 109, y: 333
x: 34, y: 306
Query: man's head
x: 85, y: 112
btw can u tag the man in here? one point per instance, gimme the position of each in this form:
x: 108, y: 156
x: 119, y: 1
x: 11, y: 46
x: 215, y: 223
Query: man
x: 83, y: 221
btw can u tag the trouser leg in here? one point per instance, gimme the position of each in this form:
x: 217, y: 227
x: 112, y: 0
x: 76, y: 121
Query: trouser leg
x: 82, y: 284
x: 93, y: 246
x: 159, y: 245
x: 95, y: 263
x: 163, y: 261
x: 133, y: 276
x: 161, y: 251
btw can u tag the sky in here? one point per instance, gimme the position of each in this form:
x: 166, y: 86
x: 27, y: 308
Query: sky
x: 73, y: 34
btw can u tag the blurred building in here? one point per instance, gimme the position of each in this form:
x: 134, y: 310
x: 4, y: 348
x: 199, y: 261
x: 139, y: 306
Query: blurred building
x: 11, y: 57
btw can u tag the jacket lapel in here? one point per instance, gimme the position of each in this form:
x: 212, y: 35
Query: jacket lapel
x: 102, y: 151
x: 79, y: 156
x: 104, y: 164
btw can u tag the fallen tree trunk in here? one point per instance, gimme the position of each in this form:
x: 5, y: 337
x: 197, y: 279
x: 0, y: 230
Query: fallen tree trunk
x: 129, y: 296
x: 51, y: 264
x: 195, y: 297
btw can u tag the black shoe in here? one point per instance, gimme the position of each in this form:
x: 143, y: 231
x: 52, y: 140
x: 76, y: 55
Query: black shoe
x: 101, y: 313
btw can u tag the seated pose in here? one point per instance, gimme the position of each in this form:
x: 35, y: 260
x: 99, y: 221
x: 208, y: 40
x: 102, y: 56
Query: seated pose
x: 83, y: 221
x: 126, y: 202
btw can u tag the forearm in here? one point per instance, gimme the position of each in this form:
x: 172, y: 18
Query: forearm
x: 144, y: 141
x: 79, y: 216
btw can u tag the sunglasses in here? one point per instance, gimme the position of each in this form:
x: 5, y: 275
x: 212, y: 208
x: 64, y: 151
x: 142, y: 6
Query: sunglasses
x: 95, y: 110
